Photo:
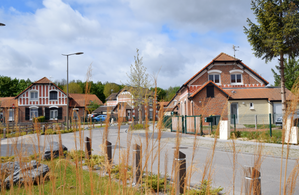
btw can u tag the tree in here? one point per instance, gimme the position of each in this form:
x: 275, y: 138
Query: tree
x: 73, y: 88
x: 110, y: 88
x: 139, y: 83
x: 161, y: 93
x: 276, y: 34
x: 92, y: 106
x: 170, y: 92
x: 291, y: 73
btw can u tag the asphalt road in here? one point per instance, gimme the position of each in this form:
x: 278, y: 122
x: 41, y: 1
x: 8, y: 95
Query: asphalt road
x: 222, y: 169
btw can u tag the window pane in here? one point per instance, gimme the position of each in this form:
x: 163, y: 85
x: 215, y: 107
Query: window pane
x: 233, y: 79
x: 211, y: 78
x: 238, y: 78
x: 33, y: 95
x: 217, y: 78
x: 53, y: 95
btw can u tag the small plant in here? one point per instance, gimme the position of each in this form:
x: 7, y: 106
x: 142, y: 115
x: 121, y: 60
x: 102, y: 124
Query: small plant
x: 151, y: 181
x: 79, y: 154
x: 237, y: 134
x: 204, y: 186
x: 94, y: 160
x: 118, y: 174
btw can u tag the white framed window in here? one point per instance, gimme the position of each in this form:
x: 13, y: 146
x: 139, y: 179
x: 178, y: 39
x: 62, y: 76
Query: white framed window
x: 53, y: 114
x: 11, y: 115
x: 215, y: 78
x: 251, y: 106
x: 53, y: 95
x: 33, y: 113
x: 236, y: 79
x: 33, y: 95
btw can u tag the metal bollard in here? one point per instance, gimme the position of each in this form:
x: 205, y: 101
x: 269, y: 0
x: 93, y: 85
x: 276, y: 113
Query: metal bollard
x: 109, y: 151
x: 138, y: 162
x: 181, y: 172
x: 4, y: 133
x: 43, y: 129
x: 252, y: 181
x: 88, y: 147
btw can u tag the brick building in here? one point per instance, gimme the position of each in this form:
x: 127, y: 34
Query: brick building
x: 227, y: 87
x: 44, y: 98
x: 122, y: 105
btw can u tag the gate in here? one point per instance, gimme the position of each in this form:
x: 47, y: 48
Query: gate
x: 177, y: 123
x: 187, y: 124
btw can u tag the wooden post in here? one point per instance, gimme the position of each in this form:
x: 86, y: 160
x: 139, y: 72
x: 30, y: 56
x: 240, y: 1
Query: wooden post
x: 88, y: 147
x: 43, y: 129
x: 255, y: 121
x: 138, y: 163
x: 4, y: 133
x: 180, y: 172
x: 109, y: 151
x: 252, y: 181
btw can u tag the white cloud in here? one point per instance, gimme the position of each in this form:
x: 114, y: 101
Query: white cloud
x: 108, y: 32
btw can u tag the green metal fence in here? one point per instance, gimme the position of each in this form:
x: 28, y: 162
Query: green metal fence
x: 187, y: 124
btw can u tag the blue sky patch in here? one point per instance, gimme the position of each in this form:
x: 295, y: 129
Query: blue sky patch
x: 22, y: 5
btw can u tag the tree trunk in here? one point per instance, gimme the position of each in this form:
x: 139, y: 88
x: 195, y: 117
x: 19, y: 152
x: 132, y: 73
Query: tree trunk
x: 140, y: 114
x: 282, y: 84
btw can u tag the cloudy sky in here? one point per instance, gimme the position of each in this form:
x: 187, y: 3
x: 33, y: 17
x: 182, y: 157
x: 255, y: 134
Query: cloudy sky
x: 177, y: 37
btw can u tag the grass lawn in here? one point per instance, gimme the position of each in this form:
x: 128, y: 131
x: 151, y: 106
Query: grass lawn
x: 261, y: 135
x: 64, y: 178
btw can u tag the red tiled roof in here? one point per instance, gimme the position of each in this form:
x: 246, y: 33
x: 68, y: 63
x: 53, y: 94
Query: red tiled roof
x: 203, y: 86
x: 272, y: 94
x: 225, y: 57
x: 82, y: 99
x: 7, y: 102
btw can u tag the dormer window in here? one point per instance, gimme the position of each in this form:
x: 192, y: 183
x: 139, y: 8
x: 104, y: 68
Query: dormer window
x: 236, y: 76
x: 214, y: 75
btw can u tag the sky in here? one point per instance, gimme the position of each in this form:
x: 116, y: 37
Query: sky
x: 176, y: 38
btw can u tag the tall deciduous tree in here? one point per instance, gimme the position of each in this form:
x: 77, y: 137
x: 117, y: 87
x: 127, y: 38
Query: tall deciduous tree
x: 276, y: 34
x: 291, y: 73
x: 74, y: 88
x: 139, y: 83
x: 110, y: 88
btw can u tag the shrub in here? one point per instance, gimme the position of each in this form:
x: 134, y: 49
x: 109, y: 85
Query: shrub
x: 152, y: 182
x: 237, y: 134
x: 203, y: 189
x: 39, y: 119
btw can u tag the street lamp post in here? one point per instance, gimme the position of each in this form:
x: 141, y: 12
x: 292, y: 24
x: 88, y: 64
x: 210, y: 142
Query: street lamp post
x: 67, y: 85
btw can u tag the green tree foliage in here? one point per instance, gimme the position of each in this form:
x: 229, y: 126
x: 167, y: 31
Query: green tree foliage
x: 92, y: 106
x: 161, y: 93
x: 73, y: 88
x: 276, y: 34
x: 139, y: 83
x: 170, y: 92
x: 291, y: 73
x: 12, y: 87
x: 110, y: 88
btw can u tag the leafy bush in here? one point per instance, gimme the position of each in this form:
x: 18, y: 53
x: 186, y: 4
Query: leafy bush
x: 119, y: 174
x: 39, y: 119
x: 151, y: 181
x: 140, y: 126
x: 95, y: 160
x: 237, y: 134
